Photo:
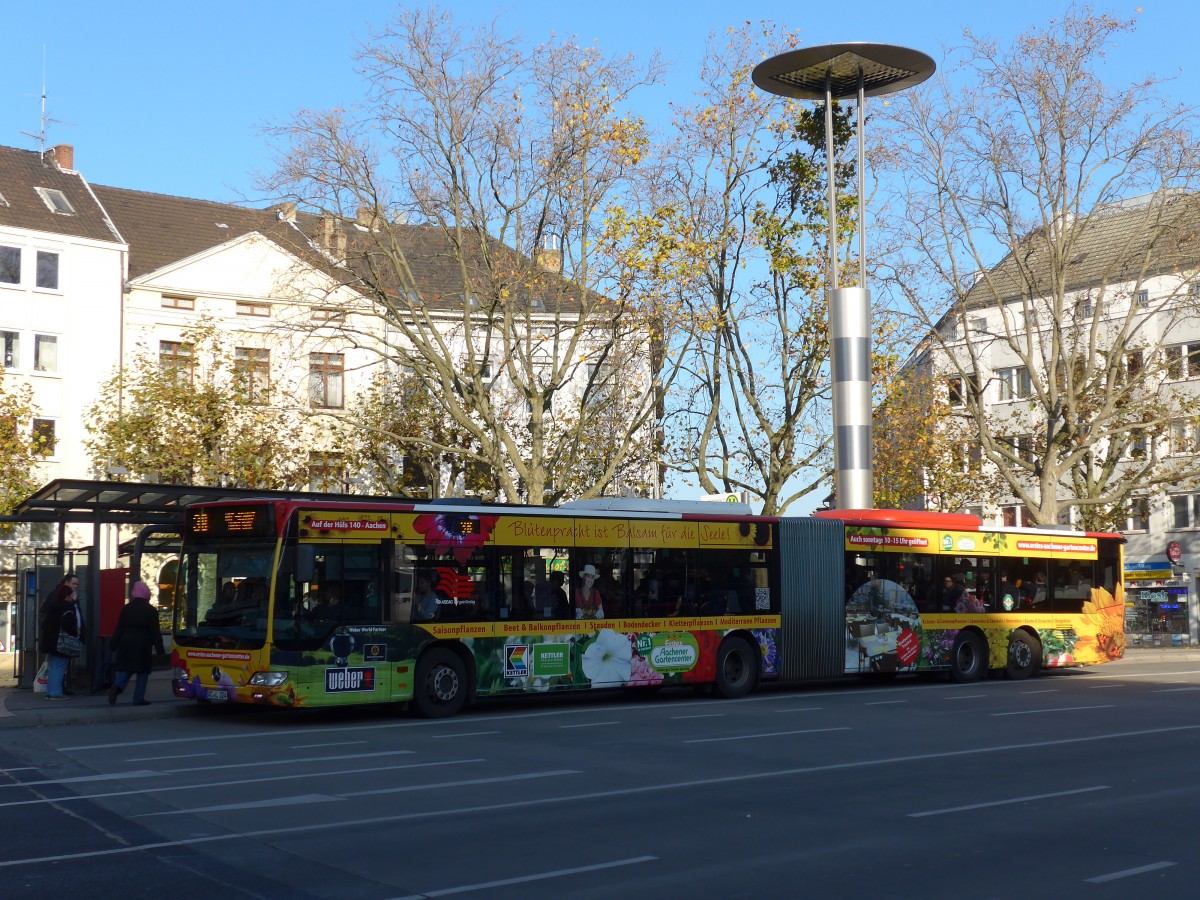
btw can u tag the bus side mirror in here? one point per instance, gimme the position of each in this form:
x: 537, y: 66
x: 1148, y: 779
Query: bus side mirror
x: 306, y: 557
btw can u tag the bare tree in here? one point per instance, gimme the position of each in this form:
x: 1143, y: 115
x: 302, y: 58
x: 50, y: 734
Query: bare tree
x: 467, y: 203
x: 1052, y: 238
x: 745, y: 184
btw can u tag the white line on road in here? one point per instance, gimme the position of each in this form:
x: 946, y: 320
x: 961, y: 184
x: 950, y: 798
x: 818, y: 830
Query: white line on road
x: 1033, y: 712
x: 541, y: 876
x: 330, y: 744
x: 750, y: 737
x: 209, y: 785
x: 701, y: 716
x: 498, y: 779
x: 1095, y: 687
x: 473, y: 812
x: 1125, y: 873
x: 1176, y: 690
x: 954, y: 809
x: 965, y: 697
x: 885, y: 702
x: 458, y: 734
x: 253, y: 804
x: 800, y: 709
x: 159, y: 758
x: 1046, y: 691
x: 589, y: 724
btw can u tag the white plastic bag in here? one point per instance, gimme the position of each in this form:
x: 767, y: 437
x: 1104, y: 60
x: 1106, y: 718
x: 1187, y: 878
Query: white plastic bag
x: 43, y: 678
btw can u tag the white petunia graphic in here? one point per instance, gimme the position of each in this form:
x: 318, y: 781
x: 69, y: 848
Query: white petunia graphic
x: 607, y: 660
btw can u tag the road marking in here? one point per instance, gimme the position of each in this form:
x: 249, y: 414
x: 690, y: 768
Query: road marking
x: 1149, y: 674
x: 176, y: 756
x: 1095, y: 687
x: 473, y: 812
x: 192, y: 770
x: 885, y: 702
x: 1033, y: 712
x: 589, y: 724
x: 541, y: 876
x: 965, y: 697
x: 701, y: 716
x: 800, y: 709
x: 954, y: 809
x: 1176, y: 690
x: 459, y: 734
x: 498, y: 779
x: 300, y: 800
x: 1046, y: 691
x: 1125, y: 873
x: 751, y: 737
x: 316, y: 746
x: 208, y: 785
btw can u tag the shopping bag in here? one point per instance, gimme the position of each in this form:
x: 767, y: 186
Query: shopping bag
x: 43, y: 678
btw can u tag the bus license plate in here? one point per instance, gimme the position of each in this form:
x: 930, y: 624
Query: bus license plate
x: 218, y: 695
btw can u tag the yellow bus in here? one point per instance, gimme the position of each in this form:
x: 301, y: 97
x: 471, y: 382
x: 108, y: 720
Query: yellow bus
x: 303, y: 603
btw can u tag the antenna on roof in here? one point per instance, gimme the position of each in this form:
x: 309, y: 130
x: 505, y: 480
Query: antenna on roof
x: 40, y: 137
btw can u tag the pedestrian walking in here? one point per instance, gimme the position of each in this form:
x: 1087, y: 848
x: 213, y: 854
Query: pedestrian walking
x: 134, y: 641
x: 61, y: 636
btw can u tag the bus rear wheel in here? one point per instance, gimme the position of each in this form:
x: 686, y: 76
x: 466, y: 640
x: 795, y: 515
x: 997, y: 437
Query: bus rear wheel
x: 737, y: 668
x: 1024, y: 655
x: 969, y: 661
x: 441, y: 684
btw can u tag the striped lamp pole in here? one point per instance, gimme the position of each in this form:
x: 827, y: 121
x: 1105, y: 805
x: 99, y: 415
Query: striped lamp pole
x: 833, y: 72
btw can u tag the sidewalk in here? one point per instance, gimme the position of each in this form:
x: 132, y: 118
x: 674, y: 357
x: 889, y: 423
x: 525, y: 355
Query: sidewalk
x: 22, y: 708
x: 25, y: 709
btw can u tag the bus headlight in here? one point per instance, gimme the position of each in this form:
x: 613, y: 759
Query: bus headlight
x: 268, y: 679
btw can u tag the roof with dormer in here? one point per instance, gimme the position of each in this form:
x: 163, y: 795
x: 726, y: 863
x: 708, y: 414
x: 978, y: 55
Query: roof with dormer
x: 22, y: 172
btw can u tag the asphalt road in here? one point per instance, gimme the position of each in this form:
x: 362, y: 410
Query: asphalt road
x: 1070, y: 783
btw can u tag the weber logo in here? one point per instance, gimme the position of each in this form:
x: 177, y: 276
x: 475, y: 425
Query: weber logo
x: 341, y: 681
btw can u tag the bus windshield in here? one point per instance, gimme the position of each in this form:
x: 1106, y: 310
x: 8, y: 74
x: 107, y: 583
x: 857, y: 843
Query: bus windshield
x: 222, y: 599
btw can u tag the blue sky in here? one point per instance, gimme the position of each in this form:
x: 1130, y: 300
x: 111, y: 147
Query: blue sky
x: 167, y: 97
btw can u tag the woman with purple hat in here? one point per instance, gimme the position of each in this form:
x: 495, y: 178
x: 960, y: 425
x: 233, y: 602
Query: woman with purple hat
x: 134, y: 641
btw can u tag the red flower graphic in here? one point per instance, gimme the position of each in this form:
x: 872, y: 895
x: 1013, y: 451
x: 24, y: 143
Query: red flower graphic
x: 455, y: 533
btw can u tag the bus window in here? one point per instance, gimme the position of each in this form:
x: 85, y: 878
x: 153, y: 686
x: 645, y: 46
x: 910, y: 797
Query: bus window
x: 1072, y: 582
x: 531, y: 579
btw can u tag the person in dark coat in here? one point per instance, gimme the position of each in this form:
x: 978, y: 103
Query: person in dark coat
x: 59, y: 614
x: 134, y: 641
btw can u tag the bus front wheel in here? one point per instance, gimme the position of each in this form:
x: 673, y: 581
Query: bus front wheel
x: 441, y: 686
x: 1024, y: 655
x: 969, y: 661
x: 737, y: 668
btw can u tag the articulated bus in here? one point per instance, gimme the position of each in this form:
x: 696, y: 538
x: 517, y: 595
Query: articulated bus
x: 304, y: 603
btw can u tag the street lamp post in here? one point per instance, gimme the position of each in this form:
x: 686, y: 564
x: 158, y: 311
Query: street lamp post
x: 833, y: 72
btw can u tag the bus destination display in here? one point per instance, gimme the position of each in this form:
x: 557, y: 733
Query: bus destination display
x: 231, y: 521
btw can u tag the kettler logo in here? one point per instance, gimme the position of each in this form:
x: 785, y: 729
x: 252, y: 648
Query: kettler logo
x: 343, y: 681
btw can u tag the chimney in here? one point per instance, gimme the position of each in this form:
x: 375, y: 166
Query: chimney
x: 369, y: 217
x: 549, y: 254
x: 287, y: 212
x: 63, y: 156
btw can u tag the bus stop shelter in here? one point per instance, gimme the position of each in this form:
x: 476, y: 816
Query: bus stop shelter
x: 155, y: 510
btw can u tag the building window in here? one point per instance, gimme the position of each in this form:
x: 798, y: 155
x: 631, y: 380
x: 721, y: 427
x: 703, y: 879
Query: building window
x: 253, y: 365
x: 10, y: 344
x: 1186, y: 510
x: 245, y: 308
x: 47, y: 270
x: 43, y: 436
x: 10, y: 265
x: 1014, y: 516
x: 327, y: 473
x: 1085, y: 307
x: 41, y: 532
x: 172, y: 302
x: 175, y: 356
x: 1136, y: 443
x: 1015, y: 383
x: 325, y: 314
x: 1138, y: 516
x: 45, y: 353
x: 56, y: 201
x: 1182, y: 361
x: 1143, y: 298
x: 326, y: 374
x: 1184, y: 437
x: 954, y: 390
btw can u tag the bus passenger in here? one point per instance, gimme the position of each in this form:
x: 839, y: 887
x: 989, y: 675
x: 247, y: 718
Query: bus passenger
x: 425, y: 601
x: 952, y: 594
x: 588, y: 603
